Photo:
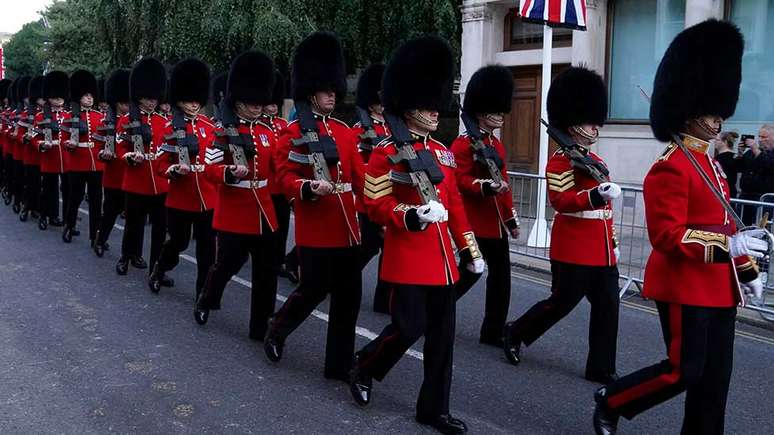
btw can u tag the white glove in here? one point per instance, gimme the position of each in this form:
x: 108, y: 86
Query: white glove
x: 748, y: 243
x: 754, y: 287
x: 476, y: 266
x: 609, y: 191
x: 431, y: 212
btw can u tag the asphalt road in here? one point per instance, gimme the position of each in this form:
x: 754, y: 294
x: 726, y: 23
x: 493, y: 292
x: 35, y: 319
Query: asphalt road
x: 83, y: 350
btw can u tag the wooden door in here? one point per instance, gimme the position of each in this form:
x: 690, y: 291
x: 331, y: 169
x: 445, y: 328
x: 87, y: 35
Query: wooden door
x: 520, y: 134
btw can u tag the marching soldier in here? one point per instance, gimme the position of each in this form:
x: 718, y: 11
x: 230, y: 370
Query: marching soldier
x: 240, y: 166
x: 117, y: 97
x: 84, y: 165
x: 52, y: 157
x: 140, y: 134
x: 21, y: 89
x: 577, y: 106
x: 31, y: 154
x: 318, y: 166
x: 191, y: 196
x: 483, y: 181
x: 699, y: 257
x: 369, y: 131
x: 5, y: 86
x: 419, y: 262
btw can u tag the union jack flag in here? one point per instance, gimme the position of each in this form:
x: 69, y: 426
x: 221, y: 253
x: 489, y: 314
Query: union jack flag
x: 555, y: 13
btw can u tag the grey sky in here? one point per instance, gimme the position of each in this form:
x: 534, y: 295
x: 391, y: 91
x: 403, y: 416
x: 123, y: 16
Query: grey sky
x: 15, y: 13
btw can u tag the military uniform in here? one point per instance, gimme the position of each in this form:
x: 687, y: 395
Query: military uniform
x: 32, y: 154
x: 15, y: 139
x: 5, y: 85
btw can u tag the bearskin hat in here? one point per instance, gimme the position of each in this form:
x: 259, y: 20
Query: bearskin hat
x: 36, y: 89
x: 700, y: 74
x: 5, y: 86
x: 23, y: 88
x: 148, y: 79
x: 369, y: 85
x: 10, y: 93
x: 278, y: 95
x: 577, y: 96
x: 117, y: 86
x: 82, y: 82
x: 56, y: 85
x: 100, y: 97
x: 251, y: 78
x: 419, y: 76
x: 219, y: 88
x: 189, y: 81
x: 318, y: 65
x: 490, y: 90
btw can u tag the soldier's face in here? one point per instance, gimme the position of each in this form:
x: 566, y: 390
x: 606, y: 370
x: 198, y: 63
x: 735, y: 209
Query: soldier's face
x: 148, y: 104
x: 104, y: 106
x: 190, y: 108
x: 325, y: 101
x: 122, y: 107
x: 56, y: 102
x: 585, y: 134
x: 376, y: 109
x: 271, y: 109
x: 423, y: 121
x: 87, y: 100
x: 491, y: 121
x: 165, y: 107
x: 248, y: 111
x: 41, y: 102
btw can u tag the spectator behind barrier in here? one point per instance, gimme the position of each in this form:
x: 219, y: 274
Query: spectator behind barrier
x: 724, y: 154
x: 758, y: 171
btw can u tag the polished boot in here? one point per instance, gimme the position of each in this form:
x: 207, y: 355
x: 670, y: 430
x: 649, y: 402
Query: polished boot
x: 99, y: 249
x: 605, y: 420
x: 201, y: 314
x: 511, y: 347
x: 76, y: 232
x: 24, y: 215
x: 272, y: 345
x: 166, y: 281
x: 445, y: 424
x: 16, y: 208
x: 288, y: 273
x: 154, y: 280
x: 67, y: 235
x: 43, y: 223
x: 139, y: 262
x: 56, y: 222
x: 360, y: 383
x: 122, y: 267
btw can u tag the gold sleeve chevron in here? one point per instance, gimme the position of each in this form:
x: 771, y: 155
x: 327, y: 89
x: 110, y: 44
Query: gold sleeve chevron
x: 377, y: 187
x: 715, y: 244
x: 560, y: 182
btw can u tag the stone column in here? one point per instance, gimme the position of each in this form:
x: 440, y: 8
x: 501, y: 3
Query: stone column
x: 588, y: 47
x: 481, y: 37
x: 697, y: 11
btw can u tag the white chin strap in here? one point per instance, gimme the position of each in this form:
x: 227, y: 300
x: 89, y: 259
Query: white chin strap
x: 711, y: 131
x: 318, y: 109
x: 591, y: 137
x: 423, y: 120
x: 496, y: 120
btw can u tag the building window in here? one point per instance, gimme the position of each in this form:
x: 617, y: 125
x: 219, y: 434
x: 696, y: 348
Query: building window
x: 755, y: 19
x: 641, y: 31
x: 529, y: 36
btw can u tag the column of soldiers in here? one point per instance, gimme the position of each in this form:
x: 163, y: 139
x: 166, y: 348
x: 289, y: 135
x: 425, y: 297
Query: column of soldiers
x: 434, y: 215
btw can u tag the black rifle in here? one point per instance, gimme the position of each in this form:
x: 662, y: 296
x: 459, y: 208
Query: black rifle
x: 485, y: 155
x: 107, y: 132
x: 424, y: 173
x: 138, y: 132
x: 241, y: 146
x: 578, y: 159
x: 49, y: 126
x: 368, y: 138
x: 74, y: 125
x: 322, y: 149
x: 186, y: 144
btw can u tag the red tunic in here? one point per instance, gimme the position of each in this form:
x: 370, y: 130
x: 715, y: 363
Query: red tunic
x: 423, y: 257
x: 382, y: 131
x: 54, y: 160
x: 689, y: 231
x: 29, y: 154
x: 277, y: 124
x: 193, y: 191
x: 112, y: 170
x: 17, y: 147
x: 583, y: 231
x: 143, y: 178
x: 489, y: 215
x: 84, y: 158
x: 329, y: 221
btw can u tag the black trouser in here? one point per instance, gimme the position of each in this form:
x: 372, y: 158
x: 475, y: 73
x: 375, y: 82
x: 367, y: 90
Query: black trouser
x: 180, y: 225
x: 750, y: 212
x: 282, y: 210
x: 32, y: 187
x: 498, y: 285
x: 79, y: 183
x: 416, y: 311
x: 700, y: 349
x: 18, y: 182
x: 570, y: 283
x: 2, y: 169
x: 372, y: 245
x: 49, y: 196
x: 112, y: 207
x: 138, y: 207
x: 231, y: 254
x: 324, y: 271
x: 291, y: 259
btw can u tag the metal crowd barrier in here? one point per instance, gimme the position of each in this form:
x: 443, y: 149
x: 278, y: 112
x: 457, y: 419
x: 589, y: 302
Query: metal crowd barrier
x: 632, y: 234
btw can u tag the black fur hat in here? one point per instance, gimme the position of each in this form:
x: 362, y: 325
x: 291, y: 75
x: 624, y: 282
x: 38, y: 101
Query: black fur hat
x: 700, y: 74
x: 11, y: 92
x: 82, y: 82
x: 278, y: 95
x: 23, y: 88
x: 490, y: 90
x: 148, y: 79
x: 318, y: 65
x: 117, y: 87
x: 189, y: 81
x: 5, y: 86
x: 56, y: 85
x: 577, y: 96
x: 219, y: 88
x: 35, y: 89
x: 100, y: 97
x: 419, y: 76
x: 251, y: 78
x: 369, y: 85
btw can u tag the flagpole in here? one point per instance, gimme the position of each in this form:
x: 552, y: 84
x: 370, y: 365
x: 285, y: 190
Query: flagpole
x: 539, y: 236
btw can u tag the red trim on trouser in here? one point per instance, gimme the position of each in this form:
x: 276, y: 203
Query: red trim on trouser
x: 661, y: 381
